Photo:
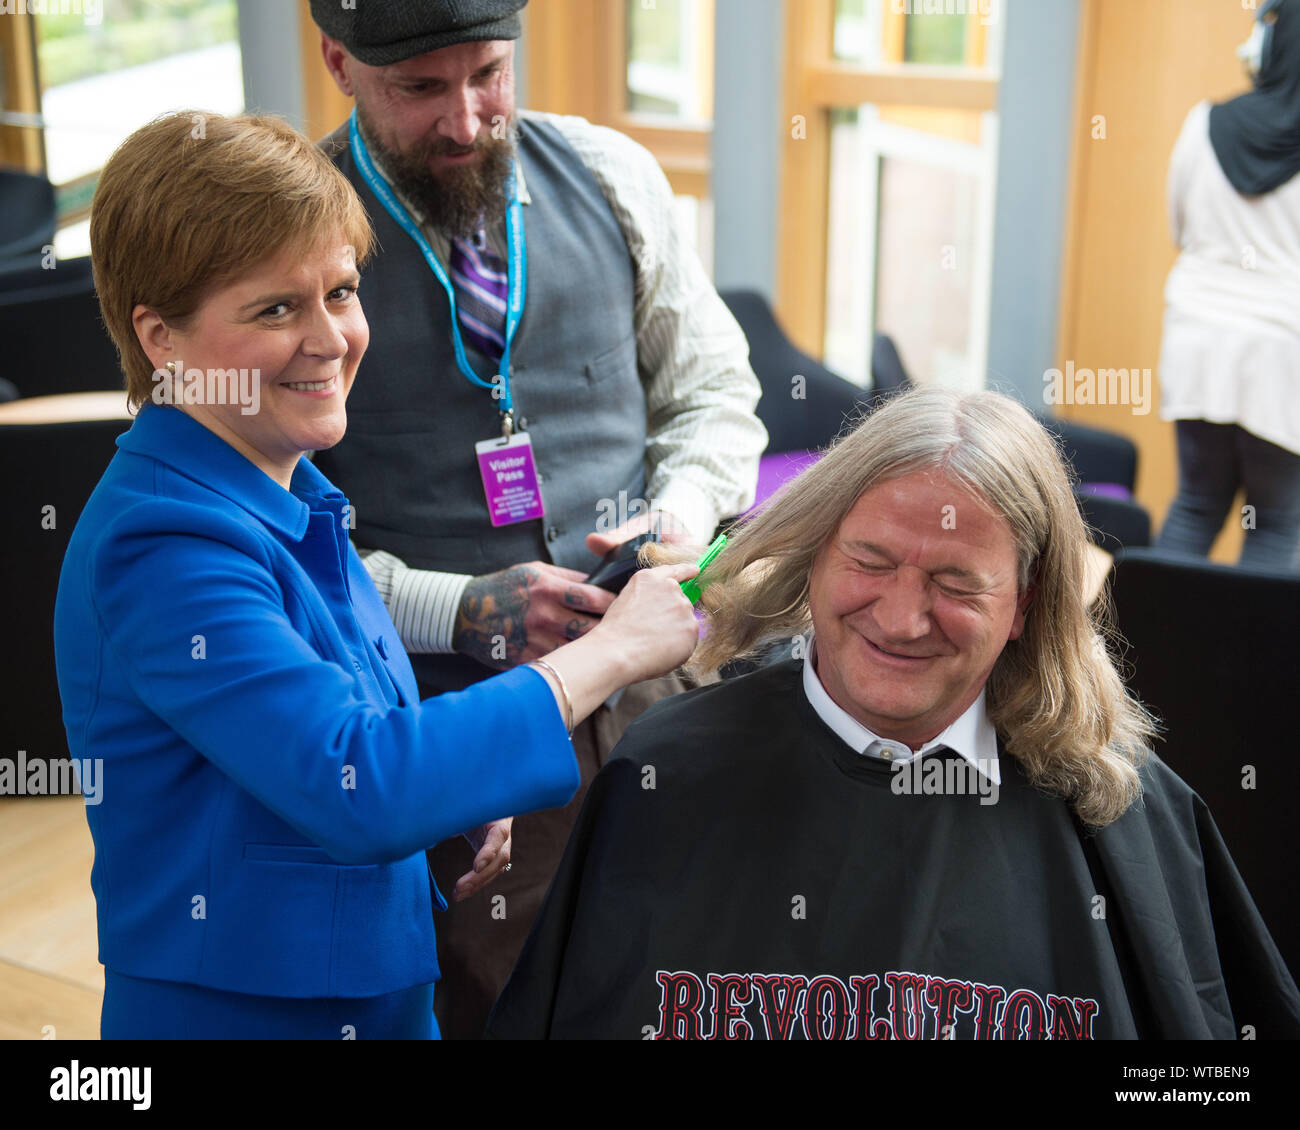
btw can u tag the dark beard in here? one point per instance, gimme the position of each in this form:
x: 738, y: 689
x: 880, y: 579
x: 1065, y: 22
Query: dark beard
x: 457, y: 201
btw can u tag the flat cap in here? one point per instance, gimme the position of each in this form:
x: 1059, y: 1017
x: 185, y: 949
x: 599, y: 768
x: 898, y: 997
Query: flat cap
x: 379, y: 32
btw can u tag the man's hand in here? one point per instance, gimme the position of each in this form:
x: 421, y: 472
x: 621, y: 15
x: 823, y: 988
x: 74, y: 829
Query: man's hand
x: 525, y: 613
x: 492, y: 845
x: 670, y: 530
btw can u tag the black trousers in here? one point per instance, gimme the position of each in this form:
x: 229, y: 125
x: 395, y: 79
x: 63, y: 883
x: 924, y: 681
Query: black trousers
x: 1214, y: 461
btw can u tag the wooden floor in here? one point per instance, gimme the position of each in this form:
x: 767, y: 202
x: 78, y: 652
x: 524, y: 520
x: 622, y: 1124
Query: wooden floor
x: 51, y: 985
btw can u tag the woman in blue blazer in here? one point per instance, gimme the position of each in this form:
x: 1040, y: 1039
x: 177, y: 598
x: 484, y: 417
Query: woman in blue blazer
x: 270, y: 776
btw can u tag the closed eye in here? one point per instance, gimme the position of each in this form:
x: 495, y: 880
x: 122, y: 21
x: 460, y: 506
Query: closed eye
x: 955, y: 591
x: 959, y: 590
x: 878, y: 570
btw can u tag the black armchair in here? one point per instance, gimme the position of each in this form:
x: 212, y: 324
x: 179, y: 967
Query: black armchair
x: 828, y: 400
x: 1212, y: 652
x: 26, y: 213
x: 54, y: 339
x: 47, y: 472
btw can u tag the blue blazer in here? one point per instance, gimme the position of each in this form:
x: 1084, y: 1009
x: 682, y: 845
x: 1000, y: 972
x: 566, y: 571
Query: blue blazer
x: 270, y: 779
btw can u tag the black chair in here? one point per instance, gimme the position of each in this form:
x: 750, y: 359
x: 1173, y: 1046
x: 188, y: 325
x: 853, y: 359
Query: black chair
x: 54, y: 339
x: 1114, y: 523
x: 28, y: 273
x: 828, y: 400
x: 20, y: 266
x: 888, y: 375
x: 1213, y: 654
x: 1097, y: 456
x: 26, y: 213
x: 41, y: 465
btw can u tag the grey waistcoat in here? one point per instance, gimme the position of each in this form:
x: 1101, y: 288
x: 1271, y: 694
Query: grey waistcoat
x: 407, y: 463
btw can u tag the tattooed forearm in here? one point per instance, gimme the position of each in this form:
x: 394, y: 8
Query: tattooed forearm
x: 490, y: 624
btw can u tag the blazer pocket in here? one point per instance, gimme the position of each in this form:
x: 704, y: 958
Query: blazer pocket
x: 392, y: 682
x: 289, y: 853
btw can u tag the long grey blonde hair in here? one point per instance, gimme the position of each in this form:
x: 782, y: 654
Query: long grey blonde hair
x: 1054, y: 695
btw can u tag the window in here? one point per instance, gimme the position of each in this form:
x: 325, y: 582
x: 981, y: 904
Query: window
x: 893, y: 149
x: 670, y: 59
x: 644, y: 67
x: 113, y: 66
x: 948, y: 33
x: 911, y: 205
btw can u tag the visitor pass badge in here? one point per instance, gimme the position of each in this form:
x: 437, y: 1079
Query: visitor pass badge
x: 510, y: 479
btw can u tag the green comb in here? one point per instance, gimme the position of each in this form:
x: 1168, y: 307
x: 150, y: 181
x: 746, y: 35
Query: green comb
x: 692, y: 587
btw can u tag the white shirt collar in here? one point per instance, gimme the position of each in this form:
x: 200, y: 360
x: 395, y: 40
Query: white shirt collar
x: 972, y: 736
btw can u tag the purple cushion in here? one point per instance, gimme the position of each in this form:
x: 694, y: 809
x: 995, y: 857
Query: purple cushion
x: 1107, y: 490
x: 775, y: 470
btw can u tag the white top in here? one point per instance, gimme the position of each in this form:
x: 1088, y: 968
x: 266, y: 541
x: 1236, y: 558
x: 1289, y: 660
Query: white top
x: 971, y: 736
x: 703, y: 440
x: 1231, y: 349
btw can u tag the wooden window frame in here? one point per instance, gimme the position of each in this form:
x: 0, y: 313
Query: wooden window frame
x: 815, y: 84
x: 325, y: 106
x: 22, y: 134
x: 577, y: 64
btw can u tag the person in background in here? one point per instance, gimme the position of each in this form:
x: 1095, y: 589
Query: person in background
x: 531, y: 281
x: 271, y: 776
x: 1230, y: 357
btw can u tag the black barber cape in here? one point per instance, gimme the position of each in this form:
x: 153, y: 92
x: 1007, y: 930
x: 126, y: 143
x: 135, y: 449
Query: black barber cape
x: 739, y: 872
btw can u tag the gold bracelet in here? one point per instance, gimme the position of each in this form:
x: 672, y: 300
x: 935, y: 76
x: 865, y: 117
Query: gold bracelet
x: 564, y: 690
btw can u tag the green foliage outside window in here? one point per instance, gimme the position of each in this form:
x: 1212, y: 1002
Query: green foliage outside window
x: 939, y: 39
x: 131, y: 32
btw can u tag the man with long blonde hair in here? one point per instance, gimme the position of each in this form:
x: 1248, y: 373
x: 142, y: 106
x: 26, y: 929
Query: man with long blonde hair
x: 939, y: 819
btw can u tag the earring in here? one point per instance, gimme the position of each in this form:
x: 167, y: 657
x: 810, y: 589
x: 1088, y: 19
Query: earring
x: 171, y: 367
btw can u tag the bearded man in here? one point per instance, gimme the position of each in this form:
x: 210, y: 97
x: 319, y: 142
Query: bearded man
x: 550, y: 372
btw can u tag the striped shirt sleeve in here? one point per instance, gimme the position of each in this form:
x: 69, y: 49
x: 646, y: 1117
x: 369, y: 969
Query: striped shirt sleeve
x: 704, y: 440
x: 422, y: 603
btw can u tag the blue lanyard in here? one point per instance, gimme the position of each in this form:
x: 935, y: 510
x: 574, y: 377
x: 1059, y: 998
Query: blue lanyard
x: 517, y: 268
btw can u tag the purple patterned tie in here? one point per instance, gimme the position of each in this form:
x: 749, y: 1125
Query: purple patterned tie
x: 480, y: 280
